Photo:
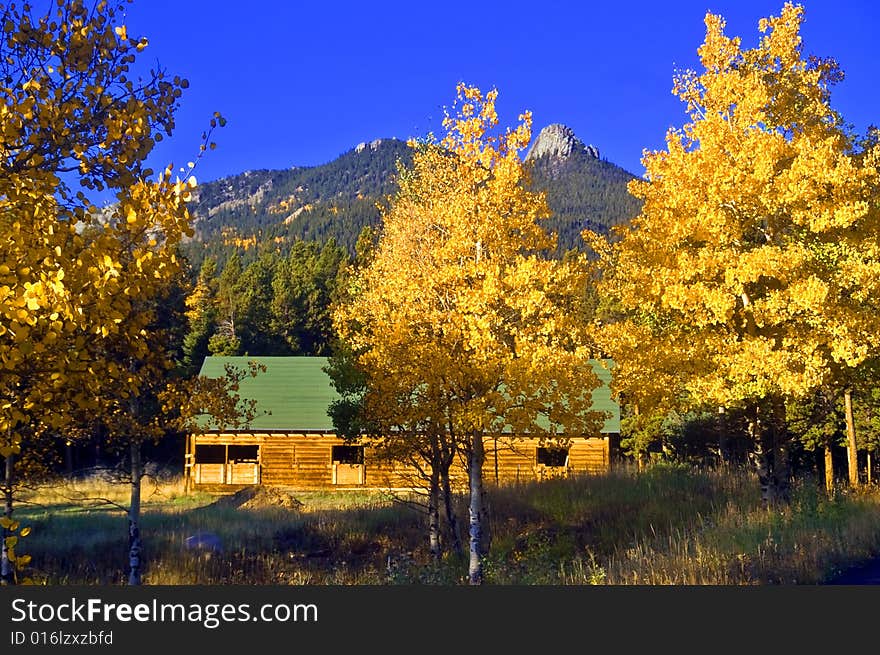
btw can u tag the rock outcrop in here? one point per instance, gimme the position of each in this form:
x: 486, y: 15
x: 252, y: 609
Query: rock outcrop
x: 374, y: 145
x: 559, y: 141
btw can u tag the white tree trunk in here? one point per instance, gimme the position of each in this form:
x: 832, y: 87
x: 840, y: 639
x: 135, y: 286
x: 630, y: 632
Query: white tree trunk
x: 134, y: 516
x: 475, y: 478
x: 434, y: 514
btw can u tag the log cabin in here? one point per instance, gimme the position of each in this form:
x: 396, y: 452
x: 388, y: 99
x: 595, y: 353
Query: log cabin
x: 292, y: 442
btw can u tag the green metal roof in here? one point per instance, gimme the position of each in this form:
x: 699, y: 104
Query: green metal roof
x: 294, y: 389
x: 602, y: 401
x: 297, y: 392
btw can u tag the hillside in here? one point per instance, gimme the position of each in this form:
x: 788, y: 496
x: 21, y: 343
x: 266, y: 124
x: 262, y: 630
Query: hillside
x: 301, y: 203
x: 583, y: 191
x: 274, y: 208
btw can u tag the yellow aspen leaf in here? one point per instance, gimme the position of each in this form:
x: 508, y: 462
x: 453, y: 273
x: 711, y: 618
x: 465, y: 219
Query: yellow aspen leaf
x: 731, y: 288
x: 458, y: 313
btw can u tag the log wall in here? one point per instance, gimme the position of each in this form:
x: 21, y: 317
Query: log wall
x: 303, y: 460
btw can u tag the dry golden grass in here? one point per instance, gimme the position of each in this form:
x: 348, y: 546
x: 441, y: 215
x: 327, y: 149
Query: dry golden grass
x: 668, y: 526
x: 97, y: 491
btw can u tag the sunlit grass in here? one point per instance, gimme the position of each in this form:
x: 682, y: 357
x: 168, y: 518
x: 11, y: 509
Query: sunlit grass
x: 668, y: 525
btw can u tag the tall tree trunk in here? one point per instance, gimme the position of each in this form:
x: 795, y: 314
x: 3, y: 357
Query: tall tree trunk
x: 7, y: 568
x: 134, y: 516
x: 829, y: 468
x: 475, y: 478
x: 869, y: 467
x: 188, y: 460
x: 641, y: 455
x: 451, y: 516
x: 723, y: 439
x: 760, y: 457
x: 781, y: 442
x: 851, y: 451
x: 434, y: 514
x: 770, y: 453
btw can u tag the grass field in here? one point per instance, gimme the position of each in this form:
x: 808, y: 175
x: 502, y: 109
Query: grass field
x: 668, y: 525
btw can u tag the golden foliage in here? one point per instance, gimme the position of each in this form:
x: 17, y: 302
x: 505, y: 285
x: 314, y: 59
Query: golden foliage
x: 70, y: 274
x: 81, y: 287
x: 753, y: 268
x: 460, y: 321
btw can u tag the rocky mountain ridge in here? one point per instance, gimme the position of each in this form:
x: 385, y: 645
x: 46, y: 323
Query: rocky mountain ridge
x: 260, y: 209
x: 558, y: 141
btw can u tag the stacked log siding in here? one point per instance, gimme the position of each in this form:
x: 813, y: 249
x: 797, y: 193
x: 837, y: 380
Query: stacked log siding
x: 295, y: 442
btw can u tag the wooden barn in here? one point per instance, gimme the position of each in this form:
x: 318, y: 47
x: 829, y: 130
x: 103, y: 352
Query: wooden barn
x: 292, y: 442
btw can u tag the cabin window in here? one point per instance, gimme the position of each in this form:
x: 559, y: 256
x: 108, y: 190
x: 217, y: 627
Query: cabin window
x: 348, y: 465
x: 210, y: 454
x: 348, y: 454
x: 244, y: 454
x: 552, y: 456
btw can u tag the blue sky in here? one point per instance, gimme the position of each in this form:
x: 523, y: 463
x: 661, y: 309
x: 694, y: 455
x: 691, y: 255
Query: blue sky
x: 302, y: 82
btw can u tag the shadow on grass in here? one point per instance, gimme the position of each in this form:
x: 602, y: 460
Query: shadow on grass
x: 670, y: 525
x: 270, y: 545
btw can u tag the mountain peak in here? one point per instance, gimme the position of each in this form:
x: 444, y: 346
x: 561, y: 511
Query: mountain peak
x: 373, y: 145
x: 559, y: 141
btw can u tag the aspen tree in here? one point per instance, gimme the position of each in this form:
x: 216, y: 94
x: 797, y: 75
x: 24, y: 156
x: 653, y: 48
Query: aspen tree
x: 461, y: 320
x: 76, y: 281
x: 751, y: 274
